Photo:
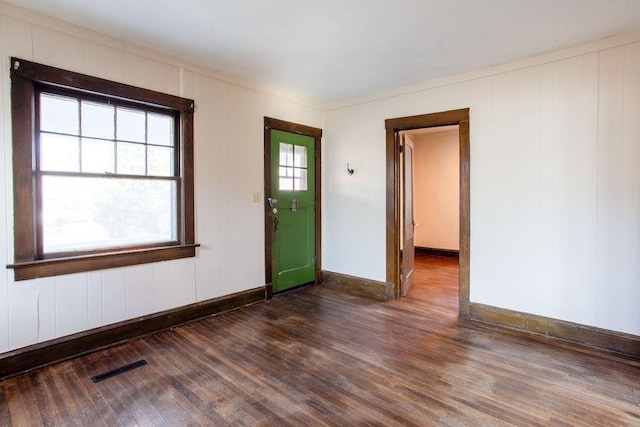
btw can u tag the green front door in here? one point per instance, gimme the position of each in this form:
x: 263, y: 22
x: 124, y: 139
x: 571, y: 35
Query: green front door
x: 292, y: 207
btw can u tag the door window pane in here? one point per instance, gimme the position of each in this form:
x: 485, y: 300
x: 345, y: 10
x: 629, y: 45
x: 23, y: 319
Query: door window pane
x: 293, y: 167
x: 300, y: 156
x: 300, y: 179
x: 286, y: 154
x: 286, y: 178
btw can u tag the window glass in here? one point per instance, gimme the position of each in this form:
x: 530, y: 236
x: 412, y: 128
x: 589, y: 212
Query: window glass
x: 131, y: 159
x: 98, y: 156
x: 98, y: 120
x: 86, y: 213
x: 300, y: 179
x: 300, y: 156
x: 159, y: 161
x: 293, y: 167
x: 130, y: 125
x: 286, y: 178
x: 59, y: 114
x: 286, y: 154
x: 159, y: 129
x: 59, y: 153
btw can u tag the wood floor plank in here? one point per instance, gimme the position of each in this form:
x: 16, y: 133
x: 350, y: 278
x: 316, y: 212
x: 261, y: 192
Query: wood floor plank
x: 212, y: 402
x: 319, y: 356
x: 19, y: 412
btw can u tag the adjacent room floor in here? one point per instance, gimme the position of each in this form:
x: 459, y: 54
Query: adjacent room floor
x: 319, y: 356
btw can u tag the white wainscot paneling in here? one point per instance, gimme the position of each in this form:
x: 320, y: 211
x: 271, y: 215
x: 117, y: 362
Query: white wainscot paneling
x: 503, y: 144
x: 94, y: 299
x: 16, y: 38
x: 531, y: 227
x: 67, y: 52
x: 210, y: 131
x: 110, y: 63
x: 158, y: 76
x: 180, y: 82
x: 140, y: 292
x: 183, y: 286
x: 114, y: 295
x: 586, y: 295
x: 187, y: 280
x: 610, y: 188
x: 41, y: 44
x: 566, y: 192
x: 6, y: 217
x: 481, y: 136
x: 630, y: 288
x: 71, y: 303
x: 4, y: 311
x: 46, y: 309
x: 137, y: 71
x: 162, y: 286
x: 23, y: 313
x: 91, y: 57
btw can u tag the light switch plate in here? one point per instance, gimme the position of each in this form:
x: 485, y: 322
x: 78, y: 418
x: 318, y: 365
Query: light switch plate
x: 257, y: 197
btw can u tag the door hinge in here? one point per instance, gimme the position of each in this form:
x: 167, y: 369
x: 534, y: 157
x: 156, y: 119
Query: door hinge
x: 401, y: 148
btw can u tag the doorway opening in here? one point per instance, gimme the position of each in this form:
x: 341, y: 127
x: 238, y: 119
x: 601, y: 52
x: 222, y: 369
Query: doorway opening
x: 429, y: 228
x: 396, y: 197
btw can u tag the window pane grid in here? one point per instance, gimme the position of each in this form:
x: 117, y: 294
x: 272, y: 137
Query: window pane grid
x: 93, y: 159
x: 89, y: 123
x: 293, y: 167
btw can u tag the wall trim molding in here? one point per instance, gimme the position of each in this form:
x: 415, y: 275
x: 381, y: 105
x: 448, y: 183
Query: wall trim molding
x: 590, y: 336
x: 38, y: 355
x: 441, y: 253
x: 383, y: 291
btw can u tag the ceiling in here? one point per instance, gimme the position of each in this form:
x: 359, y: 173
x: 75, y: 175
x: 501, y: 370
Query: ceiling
x: 330, y: 51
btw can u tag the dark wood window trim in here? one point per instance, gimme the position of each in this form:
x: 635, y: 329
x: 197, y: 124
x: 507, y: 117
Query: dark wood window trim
x: 28, y: 264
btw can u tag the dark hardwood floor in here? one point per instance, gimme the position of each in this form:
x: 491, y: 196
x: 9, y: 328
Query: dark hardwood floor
x: 318, y: 356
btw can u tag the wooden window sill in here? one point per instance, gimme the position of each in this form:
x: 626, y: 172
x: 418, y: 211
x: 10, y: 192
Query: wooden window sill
x: 77, y: 264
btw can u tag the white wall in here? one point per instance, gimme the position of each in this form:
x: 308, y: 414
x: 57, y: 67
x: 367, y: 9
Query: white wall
x: 436, y: 190
x: 555, y: 183
x: 228, y: 168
